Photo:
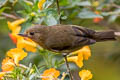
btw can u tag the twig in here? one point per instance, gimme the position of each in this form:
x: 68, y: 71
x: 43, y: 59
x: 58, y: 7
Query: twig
x: 23, y: 66
x: 114, y: 5
x: 58, y: 9
x: 117, y: 33
x: 67, y: 65
x: 63, y: 76
x: 9, y: 15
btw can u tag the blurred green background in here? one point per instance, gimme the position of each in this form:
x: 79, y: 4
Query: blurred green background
x: 105, y: 59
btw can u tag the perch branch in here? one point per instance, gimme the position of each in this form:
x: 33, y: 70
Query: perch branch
x: 9, y: 15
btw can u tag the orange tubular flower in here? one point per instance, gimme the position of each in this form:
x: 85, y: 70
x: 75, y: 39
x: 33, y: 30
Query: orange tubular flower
x: 26, y: 43
x: 85, y: 75
x: 13, y: 38
x: 83, y: 54
x: 7, y: 64
x: 40, y: 4
x: 16, y: 54
x: 50, y: 74
x: 77, y: 60
x: 15, y: 28
x: 85, y: 51
x: 97, y: 19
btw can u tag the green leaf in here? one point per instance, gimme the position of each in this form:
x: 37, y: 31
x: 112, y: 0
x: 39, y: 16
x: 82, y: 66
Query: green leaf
x: 84, y: 14
x: 2, y: 2
x: 84, y: 3
x: 35, y: 5
x: 32, y: 76
x: 48, y: 3
x: 105, y: 14
x: 36, y: 69
x: 25, y: 26
x: 50, y: 20
x: 78, y: 3
x: 27, y: 8
x: 51, y: 16
x: 2, y: 9
x: 112, y: 18
x: 63, y: 2
x: 115, y: 12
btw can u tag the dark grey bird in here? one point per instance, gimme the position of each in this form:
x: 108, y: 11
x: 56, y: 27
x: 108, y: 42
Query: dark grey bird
x: 67, y: 38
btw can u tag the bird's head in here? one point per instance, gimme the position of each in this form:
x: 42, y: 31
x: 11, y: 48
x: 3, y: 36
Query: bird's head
x: 34, y: 33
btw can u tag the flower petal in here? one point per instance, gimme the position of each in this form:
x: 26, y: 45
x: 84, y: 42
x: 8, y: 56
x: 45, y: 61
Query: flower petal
x: 85, y: 75
x: 40, y: 4
x: 7, y: 64
x: 16, y: 54
x: 29, y: 45
x: 50, y: 74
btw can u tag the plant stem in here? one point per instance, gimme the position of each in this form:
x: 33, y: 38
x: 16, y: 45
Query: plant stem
x: 58, y: 10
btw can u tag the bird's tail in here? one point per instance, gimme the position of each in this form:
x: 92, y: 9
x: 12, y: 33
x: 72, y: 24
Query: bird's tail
x: 100, y: 35
x: 105, y: 35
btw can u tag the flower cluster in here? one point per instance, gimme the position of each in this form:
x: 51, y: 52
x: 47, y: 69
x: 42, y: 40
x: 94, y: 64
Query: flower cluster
x: 82, y: 54
x: 13, y: 56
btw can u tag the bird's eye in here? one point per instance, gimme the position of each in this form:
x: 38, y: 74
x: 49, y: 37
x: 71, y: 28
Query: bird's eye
x: 31, y: 33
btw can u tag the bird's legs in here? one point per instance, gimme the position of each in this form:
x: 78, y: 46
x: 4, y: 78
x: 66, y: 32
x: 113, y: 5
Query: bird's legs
x: 67, y: 65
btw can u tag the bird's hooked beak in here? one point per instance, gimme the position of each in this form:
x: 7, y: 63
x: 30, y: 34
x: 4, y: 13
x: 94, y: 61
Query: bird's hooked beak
x: 23, y: 35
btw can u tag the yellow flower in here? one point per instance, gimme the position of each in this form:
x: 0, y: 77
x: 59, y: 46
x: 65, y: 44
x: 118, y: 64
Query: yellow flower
x: 85, y: 75
x: 32, y: 14
x: 16, y: 54
x: 31, y: 71
x: 26, y: 43
x: 85, y: 51
x: 95, y: 3
x: 21, y: 42
x: 83, y: 54
x: 40, y: 4
x: 50, y: 74
x: 77, y: 60
x: 14, y: 26
x: 2, y: 74
x: 7, y: 64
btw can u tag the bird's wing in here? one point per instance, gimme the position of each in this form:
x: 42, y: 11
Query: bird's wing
x: 82, y: 36
x: 69, y: 38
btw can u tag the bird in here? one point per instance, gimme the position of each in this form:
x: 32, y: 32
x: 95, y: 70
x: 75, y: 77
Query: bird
x: 67, y: 38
